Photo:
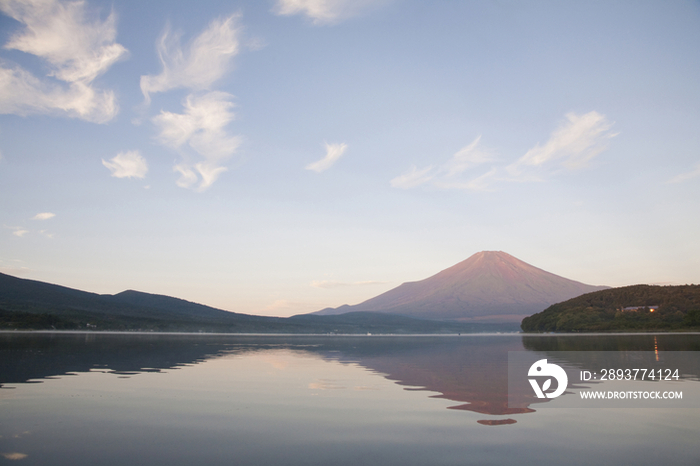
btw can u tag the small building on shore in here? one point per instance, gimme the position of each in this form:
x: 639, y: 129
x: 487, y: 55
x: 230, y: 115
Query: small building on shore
x: 639, y: 308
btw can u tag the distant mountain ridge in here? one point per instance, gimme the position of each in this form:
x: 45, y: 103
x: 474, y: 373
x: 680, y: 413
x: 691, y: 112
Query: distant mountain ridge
x: 31, y: 295
x: 34, y: 305
x: 489, y: 286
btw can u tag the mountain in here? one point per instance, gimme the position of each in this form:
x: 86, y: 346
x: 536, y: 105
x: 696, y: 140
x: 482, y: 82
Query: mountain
x: 33, y: 296
x: 490, y: 286
x: 175, y: 306
x: 629, y: 308
x: 34, y: 305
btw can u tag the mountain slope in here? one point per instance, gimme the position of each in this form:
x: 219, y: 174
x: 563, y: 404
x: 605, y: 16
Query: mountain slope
x: 490, y: 286
x: 130, y: 308
x: 174, y: 306
x: 31, y: 295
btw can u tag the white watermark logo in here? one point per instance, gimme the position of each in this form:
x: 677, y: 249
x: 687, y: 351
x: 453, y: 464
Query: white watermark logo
x: 543, y: 369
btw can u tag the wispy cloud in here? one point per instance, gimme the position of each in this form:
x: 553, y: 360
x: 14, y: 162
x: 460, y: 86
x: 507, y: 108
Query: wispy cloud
x: 201, y: 64
x: 75, y: 48
x: 324, y: 12
x: 283, y: 307
x: 13, y: 267
x: 21, y: 231
x: 578, y: 140
x: 573, y: 145
x: 128, y: 164
x: 43, y: 216
x: 482, y: 182
x: 202, y: 128
x: 199, y: 132
x: 17, y: 231
x: 451, y: 174
x: 338, y: 284
x: 466, y: 158
x: 694, y: 173
x: 333, y: 153
x: 14, y: 455
x: 413, y: 177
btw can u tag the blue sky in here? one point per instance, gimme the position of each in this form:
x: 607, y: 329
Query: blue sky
x: 277, y: 157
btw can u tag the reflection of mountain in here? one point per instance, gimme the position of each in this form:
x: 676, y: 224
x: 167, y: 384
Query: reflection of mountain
x: 472, y: 371
x: 469, y: 370
x: 490, y: 286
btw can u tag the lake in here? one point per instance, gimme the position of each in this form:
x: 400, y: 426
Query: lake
x: 148, y: 399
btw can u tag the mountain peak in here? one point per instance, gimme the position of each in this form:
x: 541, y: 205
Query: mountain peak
x: 488, y: 286
x: 491, y: 263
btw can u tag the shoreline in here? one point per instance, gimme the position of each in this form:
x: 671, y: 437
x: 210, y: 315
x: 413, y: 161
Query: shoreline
x: 326, y: 335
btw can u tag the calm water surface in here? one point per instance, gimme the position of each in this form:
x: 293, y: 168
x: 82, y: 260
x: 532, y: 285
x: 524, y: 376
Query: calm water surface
x: 133, y: 399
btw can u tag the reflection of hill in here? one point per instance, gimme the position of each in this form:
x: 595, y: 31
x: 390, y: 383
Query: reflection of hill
x: 27, y: 356
x: 636, y: 342
x: 622, y: 351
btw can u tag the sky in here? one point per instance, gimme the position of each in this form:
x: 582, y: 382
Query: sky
x: 279, y: 157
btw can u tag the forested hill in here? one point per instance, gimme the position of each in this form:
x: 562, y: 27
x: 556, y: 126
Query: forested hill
x: 657, y: 308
